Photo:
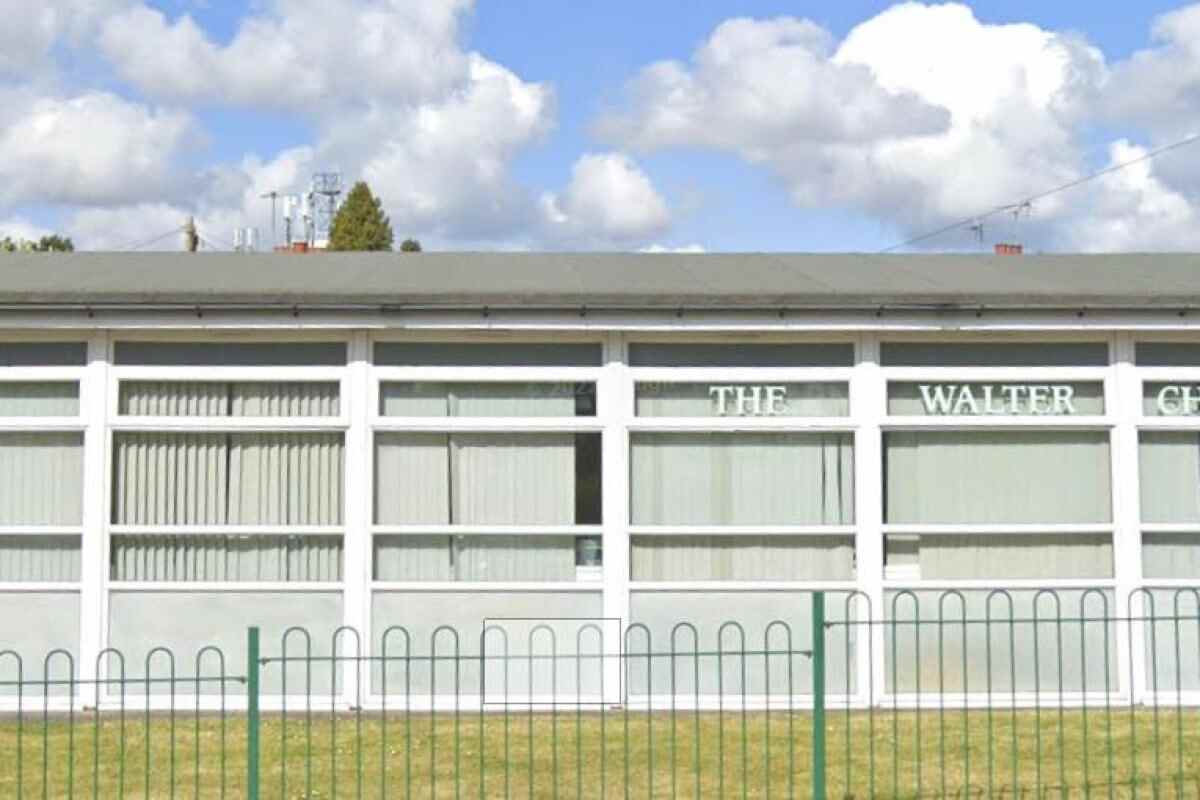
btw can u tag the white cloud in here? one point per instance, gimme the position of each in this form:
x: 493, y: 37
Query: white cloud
x: 19, y: 228
x: 87, y: 149
x: 693, y: 248
x: 32, y: 27
x: 608, y: 200
x: 920, y: 115
x: 306, y: 56
x: 1135, y: 209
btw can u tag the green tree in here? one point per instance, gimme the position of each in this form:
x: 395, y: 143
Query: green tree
x: 410, y: 246
x: 47, y: 244
x: 360, y: 223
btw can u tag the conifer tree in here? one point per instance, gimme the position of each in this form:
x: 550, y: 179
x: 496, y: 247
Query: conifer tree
x: 360, y: 223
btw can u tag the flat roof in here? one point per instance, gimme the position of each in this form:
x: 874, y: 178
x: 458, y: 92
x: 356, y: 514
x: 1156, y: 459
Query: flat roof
x: 601, y: 280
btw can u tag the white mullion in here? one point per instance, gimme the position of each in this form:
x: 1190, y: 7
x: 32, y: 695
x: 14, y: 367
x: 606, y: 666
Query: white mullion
x: 1045, y: 422
x: 1170, y: 527
x: 1190, y: 424
x: 488, y: 424
x: 615, y: 405
x: 868, y: 404
x: 357, y: 510
x: 487, y: 530
x: 740, y: 424
x: 42, y: 424
x: 894, y: 584
x: 488, y: 374
x: 742, y: 530
x: 585, y: 587
x: 230, y: 424
x: 1126, y: 401
x: 755, y: 375
x: 151, y: 587
x: 41, y: 530
x: 210, y: 374
x: 224, y: 530
x: 93, y: 396
x: 1022, y: 528
x: 744, y: 586
x: 42, y: 374
x: 960, y: 375
x: 60, y: 587
x: 1169, y: 374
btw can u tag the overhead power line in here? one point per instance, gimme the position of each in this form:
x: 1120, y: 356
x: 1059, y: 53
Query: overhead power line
x: 138, y: 245
x: 976, y: 220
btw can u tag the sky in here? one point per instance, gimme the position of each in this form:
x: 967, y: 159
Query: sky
x: 674, y: 125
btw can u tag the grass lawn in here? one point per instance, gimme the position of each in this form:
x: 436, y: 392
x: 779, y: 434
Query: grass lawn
x: 691, y: 755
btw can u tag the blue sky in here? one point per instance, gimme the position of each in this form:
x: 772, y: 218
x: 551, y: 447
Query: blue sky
x: 757, y: 125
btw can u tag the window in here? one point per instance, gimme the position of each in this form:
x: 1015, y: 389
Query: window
x: 487, y: 354
x: 41, y: 478
x: 994, y: 354
x: 1012, y: 398
x: 989, y: 477
x: 39, y: 399
x: 230, y: 354
x: 732, y: 354
x: 229, y: 399
x: 742, y: 558
x: 717, y: 478
x: 226, y: 558
x: 498, y: 399
x: 720, y: 399
x: 487, y: 478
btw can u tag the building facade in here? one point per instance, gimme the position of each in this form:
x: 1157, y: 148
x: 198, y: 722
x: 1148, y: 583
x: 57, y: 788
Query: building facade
x: 190, y: 445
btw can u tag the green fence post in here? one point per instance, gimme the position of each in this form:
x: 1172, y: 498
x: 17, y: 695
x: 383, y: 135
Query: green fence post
x: 818, y: 691
x: 252, y: 713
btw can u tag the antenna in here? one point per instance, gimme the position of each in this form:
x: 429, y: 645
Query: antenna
x: 324, y: 193
x: 289, y: 216
x: 273, y: 194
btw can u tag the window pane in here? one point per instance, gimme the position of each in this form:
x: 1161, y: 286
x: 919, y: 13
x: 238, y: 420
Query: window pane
x: 39, y: 558
x: 227, y: 479
x: 698, y: 354
x: 230, y: 354
x: 997, y: 477
x: 1008, y: 398
x: 41, y: 478
x: 30, y: 399
x: 226, y: 558
x: 994, y: 354
x: 1171, y: 555
x: 43, y: 354
x: 487, y: 399
x: 1170, y: 476
x: 220, y: 399
x: 1007, y: 556
x: 487, y: 478
x: 662, y: 399
x: 742, y: 478
x: 742, y: 558
x: 1170, y: 399
x: 33, y: 624
x: 1167, y: 354
x: 487, y: 354
x: 474, y: 558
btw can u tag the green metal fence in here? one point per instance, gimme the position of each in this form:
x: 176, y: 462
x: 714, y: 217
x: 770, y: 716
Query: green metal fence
x: 936, y: 694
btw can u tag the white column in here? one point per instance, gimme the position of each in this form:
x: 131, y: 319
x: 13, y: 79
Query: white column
x: 358, y: 509
x: 1127, y: 535
x: 614, y: 405
x: 93, y: 605
x: 868, y: 399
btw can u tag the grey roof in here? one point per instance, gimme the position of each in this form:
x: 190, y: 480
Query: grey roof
x: 599, y: 280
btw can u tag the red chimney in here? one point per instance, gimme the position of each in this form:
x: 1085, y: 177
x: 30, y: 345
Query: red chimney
x: 1009, y: 249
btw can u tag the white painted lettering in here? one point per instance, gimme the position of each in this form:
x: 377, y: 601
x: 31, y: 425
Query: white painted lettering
x: 1039, y: 398
x: 1064, y: 397
x: 776, y: 400
x: 721, y: 395
x: 966, y: 402
x: 937, y: 398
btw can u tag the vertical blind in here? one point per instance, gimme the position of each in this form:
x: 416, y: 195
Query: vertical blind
x: 474, y: 558
x: 41, y: 478
x: 26, y: 557
x: 1170, y: 476
x: 428, y: 399
x: 226, y: 558
x: 224, y: 399
x: 997, y: 477
x: 1171, y: 555
x: 475, y: 478
x: 1016, y: 556
x: 742, y: 478
x: 228, y: 479
x: 742, y: 558
x: 39, y: 399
